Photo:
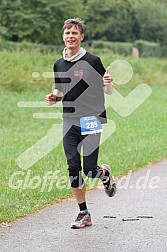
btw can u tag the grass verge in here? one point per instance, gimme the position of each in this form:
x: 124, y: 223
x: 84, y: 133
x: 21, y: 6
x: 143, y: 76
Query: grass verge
x: 138, y: 140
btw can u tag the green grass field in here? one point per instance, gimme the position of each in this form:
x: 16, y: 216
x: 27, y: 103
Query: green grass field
x: 139, y: 138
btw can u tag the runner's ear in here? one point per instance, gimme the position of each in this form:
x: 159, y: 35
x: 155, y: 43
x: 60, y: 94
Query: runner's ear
x: 82, y: 37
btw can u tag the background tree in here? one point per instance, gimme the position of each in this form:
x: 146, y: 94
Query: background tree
x: 36, y: 20
x: 41, y: 21
x: 151, y: 20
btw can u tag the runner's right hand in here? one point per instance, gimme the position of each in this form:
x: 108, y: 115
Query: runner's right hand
x: 50, y: 99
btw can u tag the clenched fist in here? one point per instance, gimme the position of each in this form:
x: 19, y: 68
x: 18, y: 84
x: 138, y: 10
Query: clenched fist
x: 50, y: 99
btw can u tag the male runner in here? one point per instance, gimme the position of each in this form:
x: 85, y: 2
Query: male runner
x: 80, y: 82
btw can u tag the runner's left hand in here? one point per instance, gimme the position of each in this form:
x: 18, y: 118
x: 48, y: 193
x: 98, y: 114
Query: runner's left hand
x: 107, y: 80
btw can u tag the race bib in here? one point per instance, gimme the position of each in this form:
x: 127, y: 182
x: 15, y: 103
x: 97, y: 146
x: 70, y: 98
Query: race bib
x: 90, y: 125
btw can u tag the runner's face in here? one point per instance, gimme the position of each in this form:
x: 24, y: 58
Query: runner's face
x: 72, y: 38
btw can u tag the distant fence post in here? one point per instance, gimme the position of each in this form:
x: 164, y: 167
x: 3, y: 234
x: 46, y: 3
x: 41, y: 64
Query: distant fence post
x: 135, y: 52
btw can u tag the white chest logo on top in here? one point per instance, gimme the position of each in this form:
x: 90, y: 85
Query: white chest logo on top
x: 78, y: 73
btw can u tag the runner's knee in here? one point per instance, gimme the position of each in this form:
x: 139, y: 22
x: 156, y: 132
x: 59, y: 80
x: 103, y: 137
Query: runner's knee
x: 91, y: 172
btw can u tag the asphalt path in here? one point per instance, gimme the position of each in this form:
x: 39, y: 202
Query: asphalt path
x: 134, y: 220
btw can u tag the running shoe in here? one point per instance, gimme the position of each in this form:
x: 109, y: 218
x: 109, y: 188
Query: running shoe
x: 108, y: 181
x: 83, y: 219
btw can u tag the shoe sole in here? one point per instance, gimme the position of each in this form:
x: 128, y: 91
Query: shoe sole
x: 109, y: 193
x: 88, y: 224
x: 108, y: 168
